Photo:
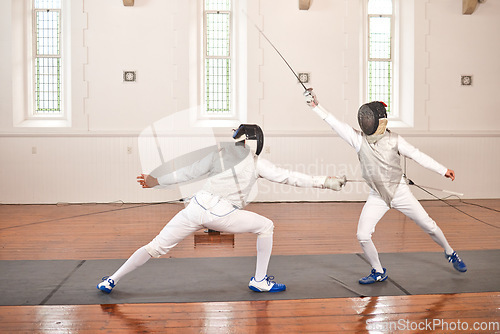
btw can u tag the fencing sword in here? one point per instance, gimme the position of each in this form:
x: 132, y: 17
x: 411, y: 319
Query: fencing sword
x: 279, y: 53
x: 411, y: 183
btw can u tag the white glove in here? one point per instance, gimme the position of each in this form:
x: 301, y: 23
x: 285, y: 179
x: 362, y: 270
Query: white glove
x: 335, y: 182
x: 311, y: 99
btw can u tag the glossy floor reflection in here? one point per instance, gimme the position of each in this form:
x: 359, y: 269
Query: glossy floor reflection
x: 450, y: 313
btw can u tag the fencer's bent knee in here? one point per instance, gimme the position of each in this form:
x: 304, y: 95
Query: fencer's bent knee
x: 430, y: 227
x: 152, y: 250
x: 363, y: 236
x: 156, y: 249
x: 268, y: 230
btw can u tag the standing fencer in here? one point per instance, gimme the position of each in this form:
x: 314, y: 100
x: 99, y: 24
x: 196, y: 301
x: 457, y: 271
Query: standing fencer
x: 379, y: 151
x: 232, y: 171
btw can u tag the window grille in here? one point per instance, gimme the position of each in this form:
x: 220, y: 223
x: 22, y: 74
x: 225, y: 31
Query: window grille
x: 380, y: 54
x: 47, y: 61
x: 217, y: 57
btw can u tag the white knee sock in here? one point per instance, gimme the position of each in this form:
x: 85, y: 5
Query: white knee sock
x: 440, y: 239
x: 371, y: 255
x: 264, y: 249
x: 136, y: 260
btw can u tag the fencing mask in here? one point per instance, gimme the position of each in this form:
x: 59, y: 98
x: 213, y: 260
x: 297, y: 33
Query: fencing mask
x: 369, y: 115
x: 251, y: 132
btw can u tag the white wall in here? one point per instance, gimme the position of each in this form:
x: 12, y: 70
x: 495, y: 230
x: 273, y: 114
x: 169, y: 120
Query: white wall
x: 90, y: 161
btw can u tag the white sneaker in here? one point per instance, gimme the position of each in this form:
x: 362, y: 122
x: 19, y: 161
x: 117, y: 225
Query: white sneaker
x: 106, y: 285
x: 266, y: 285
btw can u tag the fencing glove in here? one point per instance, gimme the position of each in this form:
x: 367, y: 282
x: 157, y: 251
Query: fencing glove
x: 335, y: 182
x: 311, y: 98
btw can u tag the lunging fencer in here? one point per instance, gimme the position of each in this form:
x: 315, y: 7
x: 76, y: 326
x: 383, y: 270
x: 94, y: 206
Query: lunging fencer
x: 232, y: 171
x: 379, y: 151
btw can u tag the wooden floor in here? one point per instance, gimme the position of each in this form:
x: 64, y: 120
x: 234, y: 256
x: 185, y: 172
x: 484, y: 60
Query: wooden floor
x: 114, y: 231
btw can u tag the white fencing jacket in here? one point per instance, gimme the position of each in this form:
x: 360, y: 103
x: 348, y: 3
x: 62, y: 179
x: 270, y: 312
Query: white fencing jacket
x: 231, y: 173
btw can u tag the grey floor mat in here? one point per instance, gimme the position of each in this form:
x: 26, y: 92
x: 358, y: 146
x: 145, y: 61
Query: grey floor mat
x: 61, y: 282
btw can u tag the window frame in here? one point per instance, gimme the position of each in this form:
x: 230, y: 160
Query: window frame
x: 391, y: 111
x: 403, y: 56
x: 32, y: 113
x: 22, y: 71
x: 206, y: 57
x: 238, y: 94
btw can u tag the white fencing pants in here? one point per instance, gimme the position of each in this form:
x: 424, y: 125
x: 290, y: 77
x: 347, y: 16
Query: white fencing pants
x: 403, y: 201
x: 195, y: 217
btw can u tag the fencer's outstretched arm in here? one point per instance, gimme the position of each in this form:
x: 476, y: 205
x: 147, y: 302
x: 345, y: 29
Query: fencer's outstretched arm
x: 271, y: 172
x: 344, y: 130
x: 408, y: 150
x: 197, y: 169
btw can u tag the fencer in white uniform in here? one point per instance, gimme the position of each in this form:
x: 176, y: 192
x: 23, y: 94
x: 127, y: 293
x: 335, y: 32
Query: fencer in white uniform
x: 232, y: 171
x: 379, y: 151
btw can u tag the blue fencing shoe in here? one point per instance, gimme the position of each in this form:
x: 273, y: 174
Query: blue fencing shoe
x: 106, y: 285
x: 458, y: 264
x: 374, y: 277
x: 266, y: 285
